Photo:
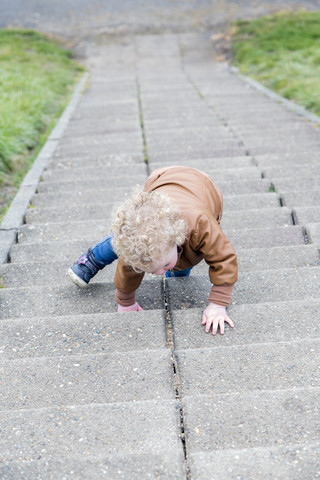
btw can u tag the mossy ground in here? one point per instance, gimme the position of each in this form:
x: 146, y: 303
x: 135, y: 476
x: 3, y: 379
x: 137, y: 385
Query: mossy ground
x: 37, y: 77
x: 282, y: 52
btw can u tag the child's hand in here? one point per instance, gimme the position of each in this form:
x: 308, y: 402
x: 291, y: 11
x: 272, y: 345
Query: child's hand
x: 215, y: 315
x: 132, y: 308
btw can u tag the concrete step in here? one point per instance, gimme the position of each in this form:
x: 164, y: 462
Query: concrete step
x: 109, y: 113
x: 297, y: 185
x: 236, y: 187
x: 61, y: 249
x: 299, y: 171
x: 107, y: 157
x: 161, y: 143
x: 185, y: 120
x: 230, y: 202
x: 250, y: 201
x: 192, y: 136
x: 93, y: 431
x: 255, y: 259
x: 104, y: 126
x: 251, y: 218
x: 253, y: 463
x: 119, y: 166
x: 227, y: 174
x: 304, y: 215
x: 109, y: 196
x: 120, y: 147
x: 251, y: 419
x: 259, y: 323
x: 133, y: 167
x: 91, y: 231
x: 252, y: 118
x: 51, y: 271
x: 307, y: 198
x: 75, y: 335
x: 91, y: 173
x: 123, y: 168
x: 204, y: 164
x: 81, y: 187
x: 259, y: 286
x: 268, y: 366
x: 118, y: 110
x: 191, y: 152
x: 288, y: 159
x: 272, y: 217
x: 72, y: 140
x: 208, y: 125
x: 282, y: 141
x: 282, y: 147
x: 82, y: 380
x: 71, y: 300
x: 298, y: 462
x: 296, y: 127
x: 313, y: 231
x: 252, y: 287
x: 138, y: 466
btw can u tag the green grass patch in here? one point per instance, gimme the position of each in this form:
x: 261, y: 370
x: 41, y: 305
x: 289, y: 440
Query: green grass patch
x: 282, y: 52
x: 37, y: 77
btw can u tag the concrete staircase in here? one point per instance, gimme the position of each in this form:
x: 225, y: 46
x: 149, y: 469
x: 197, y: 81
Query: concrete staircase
x: 88, y: 393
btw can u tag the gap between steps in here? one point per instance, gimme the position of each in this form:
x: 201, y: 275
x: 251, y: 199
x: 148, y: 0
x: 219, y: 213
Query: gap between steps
x: 176, y: 377
x: 169, y: 328
x: 143, y: 133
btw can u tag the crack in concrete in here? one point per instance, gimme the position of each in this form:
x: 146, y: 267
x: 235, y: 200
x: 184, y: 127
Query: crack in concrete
x: 169, y: 328
x: 176, y: 377
x: 143, y: 133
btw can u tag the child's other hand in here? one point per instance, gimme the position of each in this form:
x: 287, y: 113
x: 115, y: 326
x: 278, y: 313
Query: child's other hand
x: 215, y: 315
x: 132, y: 308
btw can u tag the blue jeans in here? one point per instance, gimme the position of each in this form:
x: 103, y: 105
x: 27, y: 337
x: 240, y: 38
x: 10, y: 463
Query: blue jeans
x: 103, y: 251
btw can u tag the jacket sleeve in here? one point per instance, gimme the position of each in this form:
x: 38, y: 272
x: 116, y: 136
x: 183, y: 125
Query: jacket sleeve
x: 126, y: 281
x: 209, y: 239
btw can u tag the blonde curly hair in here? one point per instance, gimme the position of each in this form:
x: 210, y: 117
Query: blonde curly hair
x: 145, y: 227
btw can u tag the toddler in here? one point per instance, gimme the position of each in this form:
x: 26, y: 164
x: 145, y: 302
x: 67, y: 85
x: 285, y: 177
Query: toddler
x: 166, y: 229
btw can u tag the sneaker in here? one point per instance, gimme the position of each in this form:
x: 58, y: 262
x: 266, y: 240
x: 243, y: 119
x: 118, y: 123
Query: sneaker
x: 84, y: 269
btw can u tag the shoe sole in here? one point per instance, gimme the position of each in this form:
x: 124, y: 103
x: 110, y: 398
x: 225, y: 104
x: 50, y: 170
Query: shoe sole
x: 76, y: 280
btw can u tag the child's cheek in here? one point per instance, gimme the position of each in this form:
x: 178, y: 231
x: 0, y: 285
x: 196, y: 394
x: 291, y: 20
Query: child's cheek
x: 172, y: 265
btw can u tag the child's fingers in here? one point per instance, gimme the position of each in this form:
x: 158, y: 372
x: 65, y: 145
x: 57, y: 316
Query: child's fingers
x: 218, y: 322
x: 215, y: 325
x: 229, y: 321
x: 207, y: 321
x: 204, y: 318
x: 221, y: 325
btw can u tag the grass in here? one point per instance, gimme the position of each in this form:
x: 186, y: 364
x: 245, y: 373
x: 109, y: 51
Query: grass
x: 37, y: 77
x: 282, y: 52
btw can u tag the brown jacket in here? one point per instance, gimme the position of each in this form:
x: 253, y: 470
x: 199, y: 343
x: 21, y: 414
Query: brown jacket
x: 200, y: 204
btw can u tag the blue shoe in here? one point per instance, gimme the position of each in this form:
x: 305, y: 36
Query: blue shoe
x: 178, y: 273
x: 84, y: 269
